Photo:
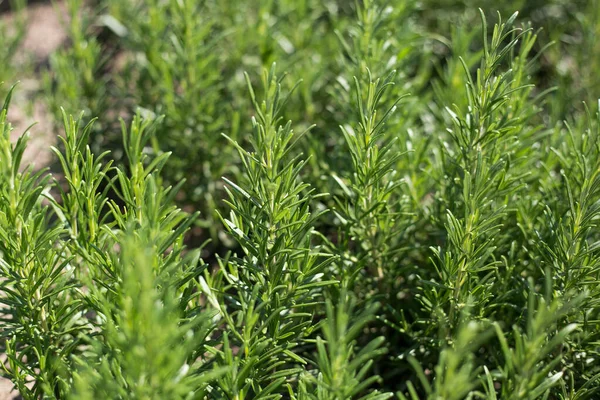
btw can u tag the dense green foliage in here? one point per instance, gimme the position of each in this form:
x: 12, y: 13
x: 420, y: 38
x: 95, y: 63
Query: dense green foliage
x: 410, y: 211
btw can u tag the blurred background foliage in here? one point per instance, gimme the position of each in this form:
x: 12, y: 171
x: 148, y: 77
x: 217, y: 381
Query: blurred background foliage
x: 185, y: 59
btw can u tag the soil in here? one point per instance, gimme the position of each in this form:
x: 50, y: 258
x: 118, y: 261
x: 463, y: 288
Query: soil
x: 44, y: 34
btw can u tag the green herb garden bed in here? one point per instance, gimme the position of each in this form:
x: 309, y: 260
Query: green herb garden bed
x: 307, y: 199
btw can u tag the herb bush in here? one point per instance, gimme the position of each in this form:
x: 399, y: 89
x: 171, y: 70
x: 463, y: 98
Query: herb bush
x: 415, y: 219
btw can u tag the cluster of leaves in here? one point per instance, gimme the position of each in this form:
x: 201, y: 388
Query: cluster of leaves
x: 426, y: 228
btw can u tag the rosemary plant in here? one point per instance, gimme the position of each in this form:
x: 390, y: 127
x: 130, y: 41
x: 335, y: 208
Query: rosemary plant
x: 277, y: 284
x: 426, y: 228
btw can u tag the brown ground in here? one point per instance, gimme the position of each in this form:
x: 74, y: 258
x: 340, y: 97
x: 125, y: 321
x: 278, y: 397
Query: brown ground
x: 45, y: 33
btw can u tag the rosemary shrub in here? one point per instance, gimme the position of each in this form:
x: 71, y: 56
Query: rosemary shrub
x: 415, y: 219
